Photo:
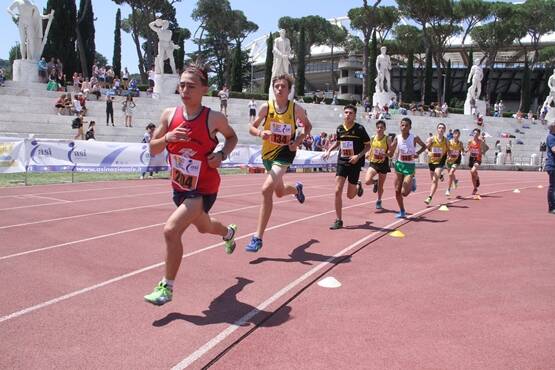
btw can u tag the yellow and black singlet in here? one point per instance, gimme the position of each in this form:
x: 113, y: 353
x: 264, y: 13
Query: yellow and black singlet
x: 378, y: 150
x: 283, y: 127
x: 438, y: 150
x: 455, y: 150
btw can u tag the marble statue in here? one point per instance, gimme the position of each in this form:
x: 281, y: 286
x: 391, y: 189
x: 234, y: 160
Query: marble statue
x: 282, y: 54
x: 165, y: 45
x: 475, y: 77
x: 383, y: 66
x: 551, y: 84
x: 29, y: 21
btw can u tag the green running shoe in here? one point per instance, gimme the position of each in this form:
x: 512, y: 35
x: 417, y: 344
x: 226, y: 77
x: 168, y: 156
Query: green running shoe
x: 338, y: 224
x: 230, y: 243
x: 161, y: 294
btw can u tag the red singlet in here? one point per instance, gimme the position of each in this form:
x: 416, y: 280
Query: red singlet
x: 189, y: 166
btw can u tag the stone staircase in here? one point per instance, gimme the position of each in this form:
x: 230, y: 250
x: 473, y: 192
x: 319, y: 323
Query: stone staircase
x: 28, y: 109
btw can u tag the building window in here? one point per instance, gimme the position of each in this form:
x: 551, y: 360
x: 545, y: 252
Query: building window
x: 358, y: 89
x: 344, y: 89
x: 344, y: 73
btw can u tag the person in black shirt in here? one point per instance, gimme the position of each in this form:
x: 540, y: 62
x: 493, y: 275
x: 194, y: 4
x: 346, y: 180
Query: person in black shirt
x: 110, y: 109
x: 353, y: 142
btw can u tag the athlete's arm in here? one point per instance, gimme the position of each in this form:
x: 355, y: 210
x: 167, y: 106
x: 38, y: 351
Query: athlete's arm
x: 354, y: 159
x: 253, y: 128
x: 329, y: 150
x: 429, y: 142
x: 418, y: 140
x: 159, y: 140
x: 389, y: 145
x: 392, y: 147
x: 217, y: 122
x: 300, y: 113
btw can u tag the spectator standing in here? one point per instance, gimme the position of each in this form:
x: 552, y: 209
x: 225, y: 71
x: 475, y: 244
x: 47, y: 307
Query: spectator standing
x: 252, y: 110
x: 77, y: 108
x: 366, y: 104
x: 125, y: 78
x: 496, y: 109
x: 128, y: 109
x: 224, y: 96
x: 110, y: 109
x: 151, y: 79
x: 77, y: 124
x: 509, y: 151
x: 550, y: 166
x: 149, y: 131
x: 90, y: 135
x: 497, y: 150
x: 43, y: 68
x: 501, y: 108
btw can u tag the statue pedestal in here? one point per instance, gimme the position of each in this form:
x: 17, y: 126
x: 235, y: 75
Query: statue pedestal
x: 480, y: 107
x: 164, y: 85
x: 550, y: 116
x: 25, y: 70
x: 382, y: 98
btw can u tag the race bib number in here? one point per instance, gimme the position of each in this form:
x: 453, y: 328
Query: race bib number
x: 347, y: 149
x: 474, y: 152
x: 378, y: 154
x: 406, y: 157
x: 185, y: 172
x: 454, y: 153
x: 436, y: 152
x: 281, y: 133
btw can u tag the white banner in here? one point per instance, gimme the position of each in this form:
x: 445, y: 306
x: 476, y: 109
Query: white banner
x: 44, y: 155
x: 12, y: 155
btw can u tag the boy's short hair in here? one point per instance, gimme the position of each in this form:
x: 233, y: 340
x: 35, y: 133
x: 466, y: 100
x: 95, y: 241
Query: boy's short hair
x: 407, y: 120
x: 200, y: 70
x: 381, y: 122
x: 351, y: 107
x: 284, y: 76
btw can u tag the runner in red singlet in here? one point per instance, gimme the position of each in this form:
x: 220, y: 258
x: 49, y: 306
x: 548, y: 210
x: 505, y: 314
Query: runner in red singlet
x: 474, y: 150
x: 188, y: 132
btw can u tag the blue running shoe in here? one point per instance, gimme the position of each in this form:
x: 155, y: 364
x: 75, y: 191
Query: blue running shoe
x: 300, y: 195
x: 401, y: 214
x: 255, y: 245
x: 413, y: 184
x: 379, y: 204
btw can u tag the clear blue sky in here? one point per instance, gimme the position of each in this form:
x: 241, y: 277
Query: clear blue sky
x: 259, y: 12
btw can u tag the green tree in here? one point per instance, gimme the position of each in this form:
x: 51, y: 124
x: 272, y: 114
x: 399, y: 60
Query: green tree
x: 299, y: 88
x: 179, y: 37
x: 408, y: 42
x: 61, y: 38
x: 363, y: 19
x: 85, y: 36
x: 536, y: 18
x: 471, y: 13
x: 500, y: 32
x: 428, y: 77
x: 525, y: 99
x: 236, y: 69
x: 337, y: 35
x: 372, y: 61
x: 116, y: 59
x: 269, y: 62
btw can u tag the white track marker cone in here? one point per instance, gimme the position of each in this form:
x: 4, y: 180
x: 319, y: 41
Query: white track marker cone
x: 443, y: 208
x: 329, y: 282
x: 540, y: 186
x: 516, y: 191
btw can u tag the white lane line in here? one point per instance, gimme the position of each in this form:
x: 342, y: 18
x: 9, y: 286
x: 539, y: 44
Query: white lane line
x: 132, y: 273
x: 117, y: 197
x: 139, y: 228
x: 144, y: 269
x: 201, y: 351
x: 126, y: 209
x: 31, y: 196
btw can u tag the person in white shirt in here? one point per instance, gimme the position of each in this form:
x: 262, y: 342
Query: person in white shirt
x: 252, y: 110
x: 224, y: 95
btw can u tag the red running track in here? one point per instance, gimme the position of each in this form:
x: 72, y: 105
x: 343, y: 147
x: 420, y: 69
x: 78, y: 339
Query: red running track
x: 468, y: 288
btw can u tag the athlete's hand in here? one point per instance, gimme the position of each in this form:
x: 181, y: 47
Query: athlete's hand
x: 180, y: 134
x: 214, y: 160
x: 293, y: 146
x: 416, y: 156
x: 326, y: 155
x: 265, y: 134
x: 354, y: 159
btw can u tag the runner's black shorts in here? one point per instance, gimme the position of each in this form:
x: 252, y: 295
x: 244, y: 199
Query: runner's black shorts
x: 381, y: 168
x: 473, y: 160
x: 441, y: 164
x: 208, y: 200
x: 350, y: 172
